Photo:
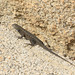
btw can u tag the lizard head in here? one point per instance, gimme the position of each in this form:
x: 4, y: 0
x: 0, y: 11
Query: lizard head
x: 15, y: 26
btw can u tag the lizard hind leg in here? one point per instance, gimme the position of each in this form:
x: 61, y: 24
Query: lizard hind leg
x: 33, y: 42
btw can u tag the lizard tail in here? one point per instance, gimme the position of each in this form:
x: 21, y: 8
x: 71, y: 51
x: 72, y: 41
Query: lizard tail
x: 57, y: 55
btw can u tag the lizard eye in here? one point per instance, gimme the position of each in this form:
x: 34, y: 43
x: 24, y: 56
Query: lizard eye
x: 19, y: 30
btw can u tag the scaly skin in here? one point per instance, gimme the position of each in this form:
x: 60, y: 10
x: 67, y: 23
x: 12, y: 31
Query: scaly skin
x: 34, y: 40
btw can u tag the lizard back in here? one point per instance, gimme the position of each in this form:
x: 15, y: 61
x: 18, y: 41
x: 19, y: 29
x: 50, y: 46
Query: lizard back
x: 25, y: 32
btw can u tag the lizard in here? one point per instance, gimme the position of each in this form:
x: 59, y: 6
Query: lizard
x: 35, y: 41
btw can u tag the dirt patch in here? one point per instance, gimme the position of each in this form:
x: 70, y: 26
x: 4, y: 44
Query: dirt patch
x: 51, y: 21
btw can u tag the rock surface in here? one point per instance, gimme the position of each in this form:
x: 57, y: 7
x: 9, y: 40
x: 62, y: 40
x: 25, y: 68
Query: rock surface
x: 52, y: 21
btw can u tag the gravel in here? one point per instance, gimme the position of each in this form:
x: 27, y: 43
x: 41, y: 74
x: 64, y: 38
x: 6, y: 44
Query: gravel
x: 16, y: 58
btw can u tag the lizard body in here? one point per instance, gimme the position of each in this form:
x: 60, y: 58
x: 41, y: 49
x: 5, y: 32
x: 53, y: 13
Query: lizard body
x: 34, y: 40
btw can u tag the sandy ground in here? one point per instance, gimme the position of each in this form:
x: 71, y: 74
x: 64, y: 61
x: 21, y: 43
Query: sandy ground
x: 16, y: 58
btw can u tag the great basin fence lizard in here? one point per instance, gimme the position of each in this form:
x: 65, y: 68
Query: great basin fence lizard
x: 34, y: 40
